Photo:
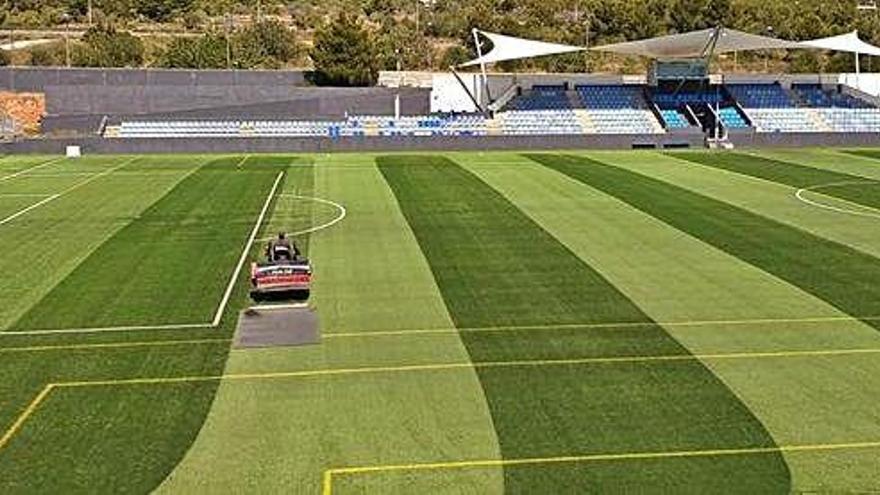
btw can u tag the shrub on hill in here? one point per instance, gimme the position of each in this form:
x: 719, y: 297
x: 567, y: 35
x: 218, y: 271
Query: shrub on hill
x: 104, y: 46
x: 265, y: 45
x: 206, y: 52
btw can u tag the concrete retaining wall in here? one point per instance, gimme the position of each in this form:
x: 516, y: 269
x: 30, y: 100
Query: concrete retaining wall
x: 98, y: 145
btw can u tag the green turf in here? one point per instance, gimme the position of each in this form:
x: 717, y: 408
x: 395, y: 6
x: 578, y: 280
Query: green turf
x: 833, y: 159
x: 149, y: 272
x: 852, y: 188
x: 97, y: 432
x: 11, y: 165
x: 369, y: 276
x: 873, y: 154
x: 675, y: 277
x: 842, y: 276
x: 495, y: 266
x: 80, y: 439
x: 71, y: 227
x: 279, y: 435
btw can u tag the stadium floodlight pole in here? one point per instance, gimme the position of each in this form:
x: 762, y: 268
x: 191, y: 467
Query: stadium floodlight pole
x: 65, y: 18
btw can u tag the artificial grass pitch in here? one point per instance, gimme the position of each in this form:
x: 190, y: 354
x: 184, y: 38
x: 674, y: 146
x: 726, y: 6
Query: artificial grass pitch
x: 842, y: 276
x: 494, y: 266
x: 860, y: 190
x: 118, y: 437
x: 170, y: 265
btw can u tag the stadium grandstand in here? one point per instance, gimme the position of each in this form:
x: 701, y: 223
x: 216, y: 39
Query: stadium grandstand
x: 680, y: 102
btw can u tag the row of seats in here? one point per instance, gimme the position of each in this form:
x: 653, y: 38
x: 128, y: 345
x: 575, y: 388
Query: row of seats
x: 616, y: 109
x: 674, y: 118
x: 525, y: 122
x: 731, y: 118
x: 358, y: 126
x: 851, y: 119
x: 760, y: 95
x: 815, y: 96
x: 688, y: 97
x: 541, y: 98
x: 783, y: 120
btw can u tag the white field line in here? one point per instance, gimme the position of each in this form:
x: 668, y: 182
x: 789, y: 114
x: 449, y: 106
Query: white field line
x: 29, y: 208
x: 63, y: 174
x: 800, y: 195
x: 241, y: 162
x: 181, y: 326
x: 340, y: 217
x: 31, y: 169
x: 245, y: 252
x: 184, y: 326
x: 65, y: 191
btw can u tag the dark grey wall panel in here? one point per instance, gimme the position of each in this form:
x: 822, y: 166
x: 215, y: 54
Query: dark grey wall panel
x: 363, y: 144
x: 36, y: 78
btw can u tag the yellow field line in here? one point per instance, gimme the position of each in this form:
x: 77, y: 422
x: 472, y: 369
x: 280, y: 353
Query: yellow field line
x: 19, y: 422
x: 422, y: 367
x: 469, y: 365
x: 594, y: 326
x: 481, y: 463
x: 111, y: 345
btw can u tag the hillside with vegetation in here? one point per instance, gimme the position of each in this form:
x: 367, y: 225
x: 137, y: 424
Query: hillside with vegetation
x: 349, y: 41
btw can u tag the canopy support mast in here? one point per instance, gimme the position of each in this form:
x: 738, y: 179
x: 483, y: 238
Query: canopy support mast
x: 708, y: 53
x: 476, y: 32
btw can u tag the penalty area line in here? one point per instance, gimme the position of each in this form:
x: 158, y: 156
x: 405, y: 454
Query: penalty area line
x: 244, y: 253
x: 31, y: 169
x: 65, y: 191
x: 466, y: 366
x: 597, y: 326
x: 327, y: 482
x: 218, y: 315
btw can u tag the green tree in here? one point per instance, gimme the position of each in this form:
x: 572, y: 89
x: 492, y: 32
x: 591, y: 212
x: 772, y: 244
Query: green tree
x: 206, y: 52
x: 103, y: 46
x: 717, y: 13
x: 688, y: 15
x: 162, y: 10
x: 401, y: 42
x: 455, y: 55
x: 265, y: 45
x: 344, y: 53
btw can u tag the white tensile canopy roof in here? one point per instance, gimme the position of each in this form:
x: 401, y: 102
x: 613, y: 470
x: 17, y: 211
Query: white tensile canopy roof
x: 686, y: 45
x: 697, y: 44
x: 511, y: 48
x: 849, y: 42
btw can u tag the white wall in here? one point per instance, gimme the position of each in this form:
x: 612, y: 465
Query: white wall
x: 447, y: 95
x: 865, y: 82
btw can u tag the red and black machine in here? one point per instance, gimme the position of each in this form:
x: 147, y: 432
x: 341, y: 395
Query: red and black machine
x: 284, y: 275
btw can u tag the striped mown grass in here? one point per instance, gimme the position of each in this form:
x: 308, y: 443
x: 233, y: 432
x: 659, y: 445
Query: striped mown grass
x: 852, y: 188
x: 80, y: 439
x: 495, y: 266
x: 170, y: 265
x: 842, y: 276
